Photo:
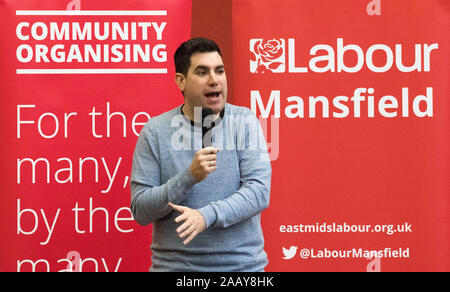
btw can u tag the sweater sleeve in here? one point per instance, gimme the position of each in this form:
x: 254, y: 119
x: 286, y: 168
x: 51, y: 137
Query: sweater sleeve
x: 149, y: 198
x: 253, y: 195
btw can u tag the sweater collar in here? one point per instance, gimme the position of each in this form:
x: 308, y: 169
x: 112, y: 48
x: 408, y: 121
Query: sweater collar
x: 196, y: 124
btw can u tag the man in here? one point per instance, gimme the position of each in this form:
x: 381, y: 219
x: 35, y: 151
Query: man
x: 204, y: 204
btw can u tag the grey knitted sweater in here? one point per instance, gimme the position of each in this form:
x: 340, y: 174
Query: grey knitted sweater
x: 230, y: 199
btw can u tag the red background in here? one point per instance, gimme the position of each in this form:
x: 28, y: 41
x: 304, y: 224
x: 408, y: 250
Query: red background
x: 126, y: 93
x: 353, y: 170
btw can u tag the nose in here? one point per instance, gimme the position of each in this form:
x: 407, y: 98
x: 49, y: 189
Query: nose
x: 213, y: 80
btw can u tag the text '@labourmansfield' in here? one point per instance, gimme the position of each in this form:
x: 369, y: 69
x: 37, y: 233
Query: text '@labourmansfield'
x: 303, y: 252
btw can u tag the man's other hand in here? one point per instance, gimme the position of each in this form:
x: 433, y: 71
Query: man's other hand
x: 193, y: 222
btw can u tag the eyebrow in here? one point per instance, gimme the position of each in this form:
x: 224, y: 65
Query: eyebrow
x: 203, y: 67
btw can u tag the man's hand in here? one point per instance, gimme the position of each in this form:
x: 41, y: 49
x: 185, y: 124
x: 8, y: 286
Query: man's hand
x: 203, y: 163
x: 194, y: 223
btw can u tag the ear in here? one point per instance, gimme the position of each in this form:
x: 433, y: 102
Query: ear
x: 180, y: 80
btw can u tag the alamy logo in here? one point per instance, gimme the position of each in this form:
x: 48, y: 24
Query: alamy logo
x: 267, y: 56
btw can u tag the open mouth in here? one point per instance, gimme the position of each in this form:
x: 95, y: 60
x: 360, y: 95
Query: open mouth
x: 213, y: 94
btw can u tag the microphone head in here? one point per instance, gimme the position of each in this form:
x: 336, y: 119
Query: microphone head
x: 206, y: 126
x: 206, y: 111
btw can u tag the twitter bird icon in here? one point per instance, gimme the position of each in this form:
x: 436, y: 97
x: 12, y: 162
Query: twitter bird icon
x: 289, y: 253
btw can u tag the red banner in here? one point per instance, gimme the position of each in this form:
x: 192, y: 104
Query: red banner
x: 78, y: 80
x: 354, y: 100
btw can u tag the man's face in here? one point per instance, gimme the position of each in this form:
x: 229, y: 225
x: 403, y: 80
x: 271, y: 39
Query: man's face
x: 205, y: 84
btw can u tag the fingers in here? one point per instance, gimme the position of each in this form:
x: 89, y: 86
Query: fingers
x: 192, y: 236
x: 182, y: 227
x: 208, y: 150
x: 212, y: 164
x: 208, y: 157
x: 176, y: 207
x: 193, y: 222
x: 203, y: 163
x: 208, y: 160
x: 180, y: 218
x: 191, y: 231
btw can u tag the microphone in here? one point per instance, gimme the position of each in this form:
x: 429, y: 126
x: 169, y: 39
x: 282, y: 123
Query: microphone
x: 207, y: 125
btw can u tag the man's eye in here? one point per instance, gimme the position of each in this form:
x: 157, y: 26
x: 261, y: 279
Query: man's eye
x: 221, y: 71
x: 201, y: 73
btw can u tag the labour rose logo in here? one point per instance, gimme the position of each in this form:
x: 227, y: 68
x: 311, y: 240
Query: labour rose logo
x: 267, y: 56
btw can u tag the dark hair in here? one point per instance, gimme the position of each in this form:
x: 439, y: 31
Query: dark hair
x: 184, y: 52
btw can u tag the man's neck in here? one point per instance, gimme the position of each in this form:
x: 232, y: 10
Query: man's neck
x: 189, y: 112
